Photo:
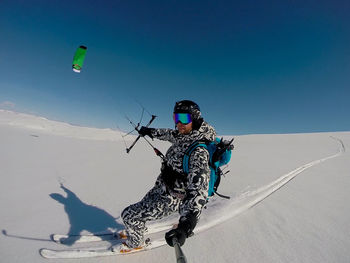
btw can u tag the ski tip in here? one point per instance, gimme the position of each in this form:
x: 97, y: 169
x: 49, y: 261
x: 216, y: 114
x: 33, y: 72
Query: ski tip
x: 44, y: 253
x: 49, y: 253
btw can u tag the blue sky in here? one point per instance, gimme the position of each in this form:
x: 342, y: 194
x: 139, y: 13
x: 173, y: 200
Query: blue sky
x: 252, y: 66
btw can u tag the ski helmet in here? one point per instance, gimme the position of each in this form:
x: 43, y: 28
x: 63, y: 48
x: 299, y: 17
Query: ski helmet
x: 188, y: 106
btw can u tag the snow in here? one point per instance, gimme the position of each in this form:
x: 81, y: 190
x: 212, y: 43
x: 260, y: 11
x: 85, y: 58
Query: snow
x: 289, y: 194
x: 40, y: 124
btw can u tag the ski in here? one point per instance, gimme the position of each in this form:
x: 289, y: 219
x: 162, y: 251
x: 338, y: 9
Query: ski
x: 96, y: 252
x: 96, y: 237
x: 155, y: 233
x: 69, y: 239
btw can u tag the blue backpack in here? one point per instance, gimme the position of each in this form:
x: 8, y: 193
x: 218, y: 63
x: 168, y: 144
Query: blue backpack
x: 219, y: 155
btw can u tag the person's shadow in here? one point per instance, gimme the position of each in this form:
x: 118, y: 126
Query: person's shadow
x: 84, y: 217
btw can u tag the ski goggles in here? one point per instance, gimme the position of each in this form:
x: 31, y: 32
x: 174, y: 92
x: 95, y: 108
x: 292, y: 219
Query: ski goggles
x: 184, y: 118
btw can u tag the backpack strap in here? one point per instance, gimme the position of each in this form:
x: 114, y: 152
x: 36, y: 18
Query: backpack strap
x: 191, y: 148
x: 217, y: 182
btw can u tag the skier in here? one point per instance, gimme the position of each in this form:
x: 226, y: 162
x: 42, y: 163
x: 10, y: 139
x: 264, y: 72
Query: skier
x: 173, y: 191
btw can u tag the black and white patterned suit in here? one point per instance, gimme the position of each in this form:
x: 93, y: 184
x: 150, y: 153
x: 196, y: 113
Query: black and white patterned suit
x: 173, y: 191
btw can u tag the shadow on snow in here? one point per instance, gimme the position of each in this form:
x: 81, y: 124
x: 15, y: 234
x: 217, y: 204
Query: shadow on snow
x: 84, y: 217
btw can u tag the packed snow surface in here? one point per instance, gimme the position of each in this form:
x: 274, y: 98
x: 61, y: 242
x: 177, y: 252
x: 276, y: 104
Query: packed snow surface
x: 289, y: 194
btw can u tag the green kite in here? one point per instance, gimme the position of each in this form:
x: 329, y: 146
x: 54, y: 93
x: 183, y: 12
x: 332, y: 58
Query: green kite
x: 78, y: 59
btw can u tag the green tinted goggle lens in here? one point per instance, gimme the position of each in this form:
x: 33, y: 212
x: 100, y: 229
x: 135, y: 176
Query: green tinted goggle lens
x: 184, y: 118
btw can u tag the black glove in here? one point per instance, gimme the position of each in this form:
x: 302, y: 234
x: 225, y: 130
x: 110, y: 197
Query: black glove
x: 177, y: 233
x: 143, y: 131
x: 184, y: 230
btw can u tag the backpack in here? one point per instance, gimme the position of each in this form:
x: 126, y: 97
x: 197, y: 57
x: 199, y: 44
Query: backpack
x: 219, y: 155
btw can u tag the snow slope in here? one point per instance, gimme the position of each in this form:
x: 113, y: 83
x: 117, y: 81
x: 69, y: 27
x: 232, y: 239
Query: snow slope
x: 59, y: 178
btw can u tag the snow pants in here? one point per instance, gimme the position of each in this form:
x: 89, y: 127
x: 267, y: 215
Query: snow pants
x: 156, y: 204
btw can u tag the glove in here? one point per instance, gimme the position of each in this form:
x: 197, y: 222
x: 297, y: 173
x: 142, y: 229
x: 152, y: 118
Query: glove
x: 184, y: 230
x: 143, y: 131
x: 177, y: 233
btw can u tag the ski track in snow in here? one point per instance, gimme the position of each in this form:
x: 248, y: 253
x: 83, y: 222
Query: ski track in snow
x: 220, y: 210
x: 223, y: 210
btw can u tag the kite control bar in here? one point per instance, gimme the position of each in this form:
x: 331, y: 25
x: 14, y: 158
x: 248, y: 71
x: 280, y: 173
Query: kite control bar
x: 137, y: 129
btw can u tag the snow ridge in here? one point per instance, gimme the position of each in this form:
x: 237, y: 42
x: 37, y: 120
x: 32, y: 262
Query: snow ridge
x: 41, y: 125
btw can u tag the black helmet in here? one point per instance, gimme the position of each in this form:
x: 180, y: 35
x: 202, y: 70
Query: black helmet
x: 188, y: 106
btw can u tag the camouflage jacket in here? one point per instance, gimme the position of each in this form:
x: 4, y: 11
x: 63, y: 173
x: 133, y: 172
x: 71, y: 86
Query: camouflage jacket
x: 192, y: 189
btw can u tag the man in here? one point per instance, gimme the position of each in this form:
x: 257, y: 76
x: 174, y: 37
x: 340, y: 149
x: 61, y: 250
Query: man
x: 173, y: 190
